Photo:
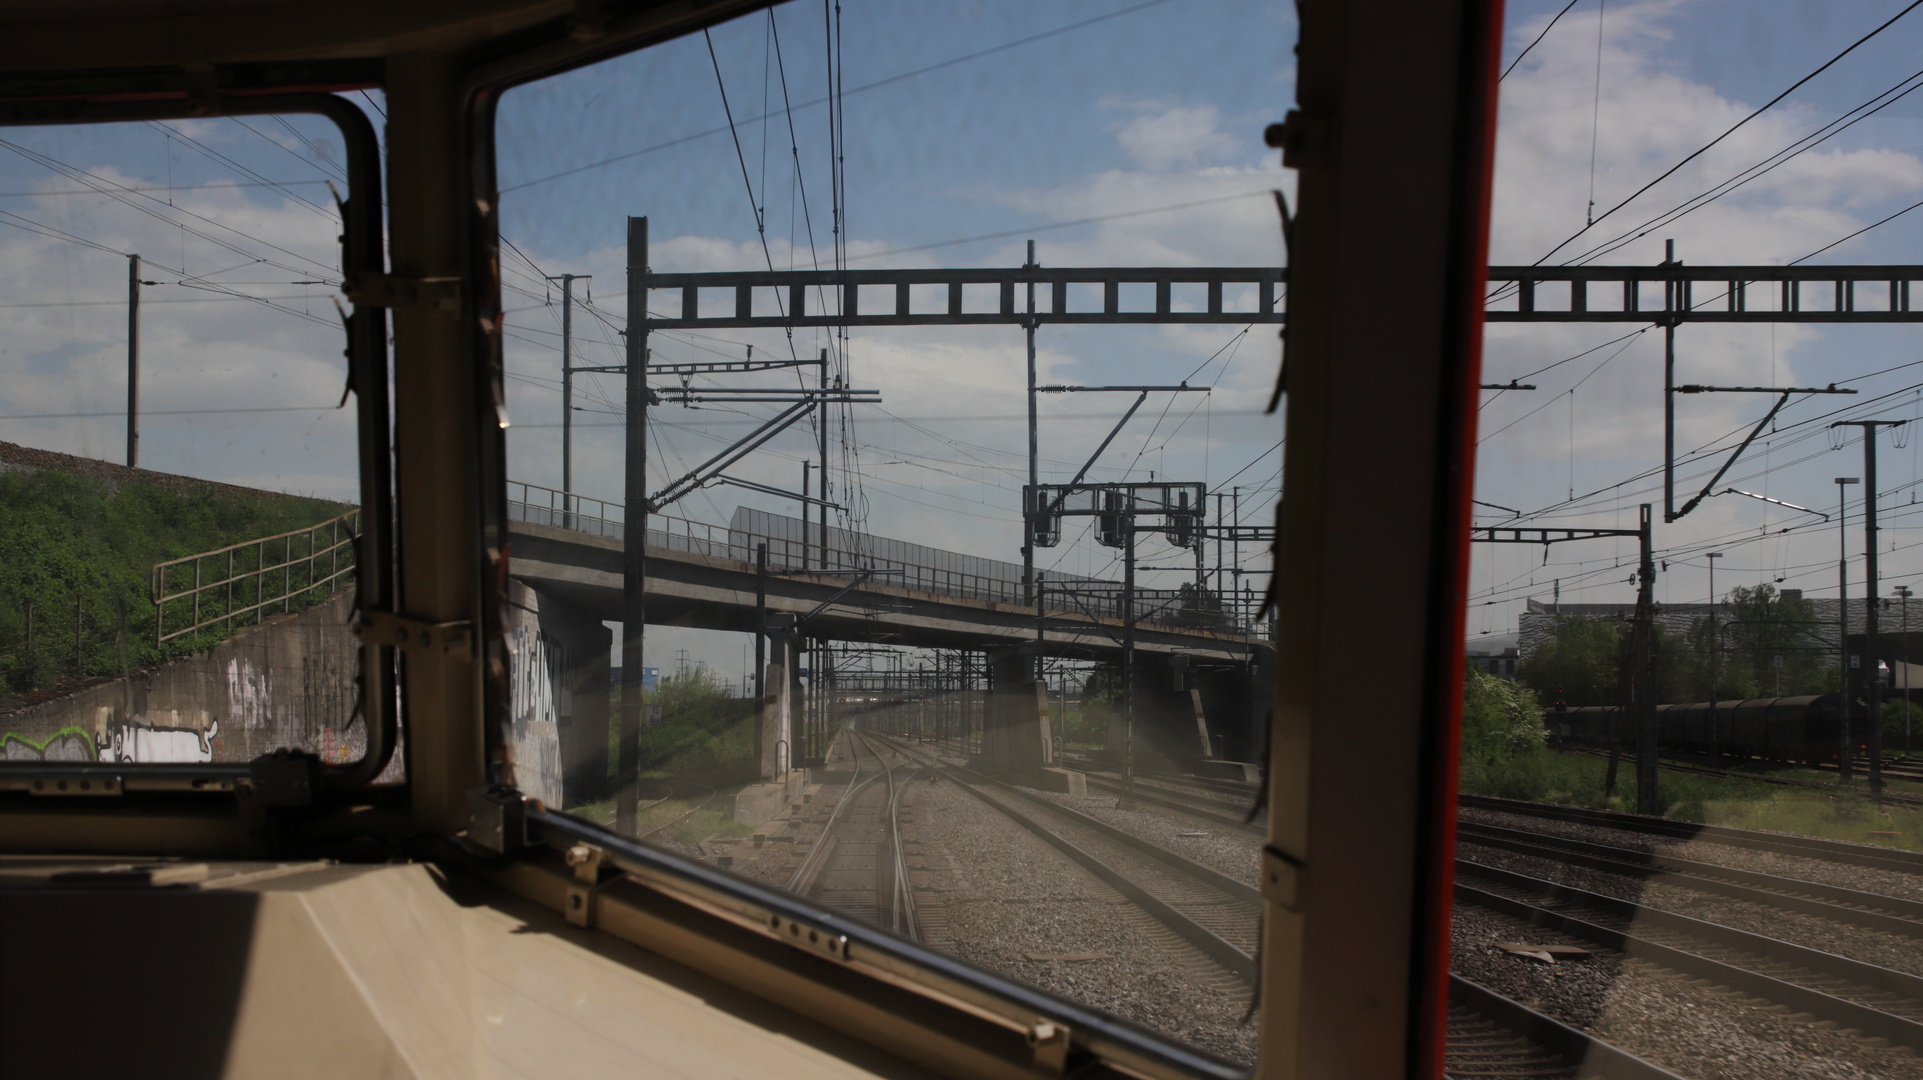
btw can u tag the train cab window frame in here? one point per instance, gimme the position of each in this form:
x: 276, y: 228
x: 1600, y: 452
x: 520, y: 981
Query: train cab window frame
x: 1393, y: 140
x: 172, y: 799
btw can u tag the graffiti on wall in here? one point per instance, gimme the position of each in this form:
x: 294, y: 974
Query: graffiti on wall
x: 539, y: 701
x: 540, y: 686
x: 250, y: 695
x: 67, y: 744
x: 179, y: 739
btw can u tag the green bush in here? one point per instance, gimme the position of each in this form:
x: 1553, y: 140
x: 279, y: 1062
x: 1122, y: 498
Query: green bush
x: 67, y: 539
x: 703, y: 730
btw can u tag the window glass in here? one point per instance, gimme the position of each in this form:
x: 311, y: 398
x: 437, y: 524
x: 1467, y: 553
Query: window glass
x: 931, y: 732
x: 178, y: 461
x: 1699, y: 377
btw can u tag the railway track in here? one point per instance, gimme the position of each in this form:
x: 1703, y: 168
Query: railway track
x: 856, y: 865
x: 658, y: 831
x: 1875, y: 1001
x: 1836, y: 903
x: 1909, y: 862
x: 1216, y: 914
x: 1489, y: 1036
x: 1762, y: 778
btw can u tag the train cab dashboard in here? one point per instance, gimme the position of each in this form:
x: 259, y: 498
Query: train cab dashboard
x: 406, y: 892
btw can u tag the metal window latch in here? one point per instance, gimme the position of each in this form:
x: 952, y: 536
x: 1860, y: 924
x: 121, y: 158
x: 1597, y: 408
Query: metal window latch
x: 586, y: 860
x: 497, y: 819
x: 438, y: 294
x: 1282, y: 878
x: 401, y: 632
x: 1049, y: 1040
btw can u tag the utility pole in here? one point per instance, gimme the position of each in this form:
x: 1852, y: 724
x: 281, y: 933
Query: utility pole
x: 1034, y: 444
x: 1715, y: 630
x: 806, y: 468
x: 1844, y: 751
x: 761, y: 627
x: 1671, y: 294
x: 821, y: 434
x: 133, y: 361
x: 1871, y: 588
x: 567, y: 378
x: 1128, y: 654
x: 1904, y: 592
x: 1647, y: 801
x: 634, y: 547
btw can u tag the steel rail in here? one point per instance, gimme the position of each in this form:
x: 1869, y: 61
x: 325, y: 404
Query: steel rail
x: 1183, y: 807
x: 1585, y: 1054
x: 1910, y: 862
x: 1871, y: 1022
x: 1645, y: 919
x: 1836, y: 903
x: 901, y: 903
x: 803, y: 880
x: 1210, y: 944
x: 682, y: 816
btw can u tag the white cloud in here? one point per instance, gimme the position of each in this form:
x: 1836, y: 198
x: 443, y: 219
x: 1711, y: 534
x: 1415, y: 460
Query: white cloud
x: 1611, y: 431
x: 1176, y: 137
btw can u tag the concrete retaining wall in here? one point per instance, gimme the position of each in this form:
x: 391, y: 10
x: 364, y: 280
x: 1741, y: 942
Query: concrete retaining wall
x: 288, y: 682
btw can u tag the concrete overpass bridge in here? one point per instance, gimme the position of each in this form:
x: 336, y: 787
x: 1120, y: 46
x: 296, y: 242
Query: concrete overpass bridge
x: 828, y: 586
x: 706, y: 576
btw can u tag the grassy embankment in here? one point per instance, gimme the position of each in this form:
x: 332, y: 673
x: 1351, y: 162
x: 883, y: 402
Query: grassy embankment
x: 1503, y: 754
x: 704, y: 740
x: 68, y: 539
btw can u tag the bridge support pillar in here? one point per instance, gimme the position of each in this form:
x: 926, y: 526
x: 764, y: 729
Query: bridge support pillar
x: 559, y: 698
x: 1016, y: 743
x: 780, y: 710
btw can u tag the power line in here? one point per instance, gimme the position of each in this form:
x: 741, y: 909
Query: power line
x: 876, y: 85
x: 1705, y: 148
x: 1538, y: 41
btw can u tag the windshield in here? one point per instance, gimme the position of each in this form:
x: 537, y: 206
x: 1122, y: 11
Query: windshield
x: 1696, y: 484
x: 178, y: 456
x: 956, y: 535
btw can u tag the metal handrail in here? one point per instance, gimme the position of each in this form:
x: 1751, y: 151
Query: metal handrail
x: 342, y: 533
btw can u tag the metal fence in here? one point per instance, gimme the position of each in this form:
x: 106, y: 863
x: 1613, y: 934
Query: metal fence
x: 249, y: 578
x: 909, y: 565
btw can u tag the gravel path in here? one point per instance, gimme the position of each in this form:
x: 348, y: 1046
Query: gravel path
x: 1868, y: 879
x: 1691, y: 1029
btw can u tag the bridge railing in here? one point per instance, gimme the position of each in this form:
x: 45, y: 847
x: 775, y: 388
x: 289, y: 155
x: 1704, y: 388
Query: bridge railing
x: 1188, y: 608
x: 287, y: 570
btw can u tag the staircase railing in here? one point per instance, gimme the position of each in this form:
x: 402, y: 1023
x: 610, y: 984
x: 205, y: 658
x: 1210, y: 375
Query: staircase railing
x: 251, y: 577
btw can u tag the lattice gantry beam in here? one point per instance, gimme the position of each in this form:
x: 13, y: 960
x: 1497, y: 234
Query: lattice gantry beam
x: 988, y: 296
x: 1681, y: 293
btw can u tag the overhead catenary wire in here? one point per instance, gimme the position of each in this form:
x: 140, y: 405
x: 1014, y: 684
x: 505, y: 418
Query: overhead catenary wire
x: 1732, y: 129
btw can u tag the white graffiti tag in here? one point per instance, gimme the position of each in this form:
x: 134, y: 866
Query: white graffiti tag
x: 179, y: 740
x: 249, y: 695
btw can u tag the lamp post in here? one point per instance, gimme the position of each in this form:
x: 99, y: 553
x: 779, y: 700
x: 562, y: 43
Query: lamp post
x: 1843, y: 749
x: 1715, y: 744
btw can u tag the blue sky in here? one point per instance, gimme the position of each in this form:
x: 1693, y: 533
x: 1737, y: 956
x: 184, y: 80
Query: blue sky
x: 1671, y: 76
x: 1111, y: 109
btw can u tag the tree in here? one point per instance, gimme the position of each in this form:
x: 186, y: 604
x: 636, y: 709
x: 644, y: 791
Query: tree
x: 1582, y: 657
x: 1760, y: 626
